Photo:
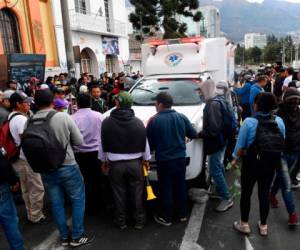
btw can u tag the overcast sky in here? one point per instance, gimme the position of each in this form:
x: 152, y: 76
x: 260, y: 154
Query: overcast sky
x: 259, y: 1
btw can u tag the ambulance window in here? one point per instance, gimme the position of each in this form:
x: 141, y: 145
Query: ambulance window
x: 184, y: 91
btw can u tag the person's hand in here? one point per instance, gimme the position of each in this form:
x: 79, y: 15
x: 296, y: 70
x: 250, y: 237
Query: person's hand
x: 16, y: 187
x: 105, y: 168
x: 147, y: 165
x: 234, y: 163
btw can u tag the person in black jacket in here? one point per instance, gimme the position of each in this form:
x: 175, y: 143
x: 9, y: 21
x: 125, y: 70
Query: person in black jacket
x: 290, y: 113
x: 8, y: 213
x: 124, y: 148
x: 214, y: 142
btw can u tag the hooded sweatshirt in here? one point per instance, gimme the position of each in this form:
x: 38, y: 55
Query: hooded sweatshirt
x: 123, y: 133
x: 212, y: 119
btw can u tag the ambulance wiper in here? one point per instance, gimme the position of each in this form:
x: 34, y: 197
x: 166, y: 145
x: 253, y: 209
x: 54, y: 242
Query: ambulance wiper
x: 143, y: 103
x: 147, y: 90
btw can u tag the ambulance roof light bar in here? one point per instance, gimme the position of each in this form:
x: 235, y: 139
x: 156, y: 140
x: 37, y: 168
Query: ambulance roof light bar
x: 154, y: 43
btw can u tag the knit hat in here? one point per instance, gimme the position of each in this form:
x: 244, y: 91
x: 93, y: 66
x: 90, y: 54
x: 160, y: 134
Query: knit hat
x: 291, y: 93
x: 125, y: 99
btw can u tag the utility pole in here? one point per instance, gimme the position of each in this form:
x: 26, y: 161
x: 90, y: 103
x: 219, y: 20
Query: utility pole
x: 283, y: 53
x: 297, y: 52
x: 68, y: 37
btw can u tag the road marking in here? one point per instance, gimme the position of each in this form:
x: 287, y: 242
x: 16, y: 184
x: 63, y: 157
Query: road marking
x: 51, y: 241
x: 248, y: 244
x: 192, y: 231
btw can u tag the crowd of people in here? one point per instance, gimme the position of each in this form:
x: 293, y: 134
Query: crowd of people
x: 55, y: 139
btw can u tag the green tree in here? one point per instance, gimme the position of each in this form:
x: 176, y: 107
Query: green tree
x: 150, y: 15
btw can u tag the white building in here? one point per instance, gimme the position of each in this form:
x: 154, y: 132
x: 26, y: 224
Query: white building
x: 99, y: 28
x: 209, y: 26
x: 255, y: 40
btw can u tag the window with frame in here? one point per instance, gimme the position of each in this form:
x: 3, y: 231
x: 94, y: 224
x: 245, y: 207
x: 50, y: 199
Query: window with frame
x: 81, y: 6
x: 9, y: 32
x: 85, y: 62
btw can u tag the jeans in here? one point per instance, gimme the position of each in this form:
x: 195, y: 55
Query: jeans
x: 66, y: 179
x: 217, y: 172
x: 9, y: 219
x: 171, y: 181
x: 283, y: 181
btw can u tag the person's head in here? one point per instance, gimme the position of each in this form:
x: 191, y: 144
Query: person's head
x: 96, y: 92
x: 43, y: 99
x: 208, y: 89
x: 262, y: 80
x: 163, y: 101
x: 291, y: 99
x: 265, y: 102
x: 61, y: 77
x: 83, y: 89
x: 12, y: 85
x: 60, y: 105
x: 123, y: 100
x: 281, y: 72
x: 5, y: 98
x: 20, y: 102
x: 84, y: 100
x: 290, y: 71
x: 85, y: 80
x: 59, y: 93
x: 49, y: 80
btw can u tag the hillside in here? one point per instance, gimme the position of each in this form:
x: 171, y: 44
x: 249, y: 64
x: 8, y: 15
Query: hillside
x: 272, y: 16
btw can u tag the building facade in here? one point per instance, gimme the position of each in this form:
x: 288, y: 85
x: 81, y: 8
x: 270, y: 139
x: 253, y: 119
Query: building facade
x: 99, y: 30
x: 255, y: 40
x: 209, y: 26
x: 26, y: 26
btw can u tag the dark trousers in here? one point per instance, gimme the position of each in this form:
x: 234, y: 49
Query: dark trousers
x: 261, y: 171
x: 90, y: 168
x: 172, y: 187
x: 127, y: 178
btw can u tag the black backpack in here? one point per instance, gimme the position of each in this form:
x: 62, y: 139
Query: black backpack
x: 42, y: 149
x: 268, y: 137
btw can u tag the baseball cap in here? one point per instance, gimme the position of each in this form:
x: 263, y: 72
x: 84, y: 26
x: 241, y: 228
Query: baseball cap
x: 7, y: 94
x: 60, y: 103
x: 125, y: 99
x: 20, y: 97
x: 291, y: 93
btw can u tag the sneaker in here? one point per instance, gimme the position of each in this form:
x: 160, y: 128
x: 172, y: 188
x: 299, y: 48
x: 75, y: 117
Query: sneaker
x: 224, y: 205
x: 83, y: 240
x: 122, y: 227
x: 293, y: 219
x: 273, y: 200
x: 298, y: 176
x: 162, y: 222
x: 42, y: 221
x: 183, y: 219
x: 214, y: 196
x: 295, y: 184
x: 139, y: 226
x: 65, y: 242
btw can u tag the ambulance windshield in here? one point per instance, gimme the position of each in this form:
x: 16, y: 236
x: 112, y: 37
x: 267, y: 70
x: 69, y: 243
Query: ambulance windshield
x: 184, y: 91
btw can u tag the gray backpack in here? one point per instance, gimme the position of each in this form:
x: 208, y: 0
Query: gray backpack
x: 42, y: 149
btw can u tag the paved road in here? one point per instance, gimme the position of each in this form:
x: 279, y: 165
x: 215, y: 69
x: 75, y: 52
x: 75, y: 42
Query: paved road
x: 215, y: 232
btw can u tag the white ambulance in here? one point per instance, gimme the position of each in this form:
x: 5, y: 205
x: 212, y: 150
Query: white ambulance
x: 178, y: 66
